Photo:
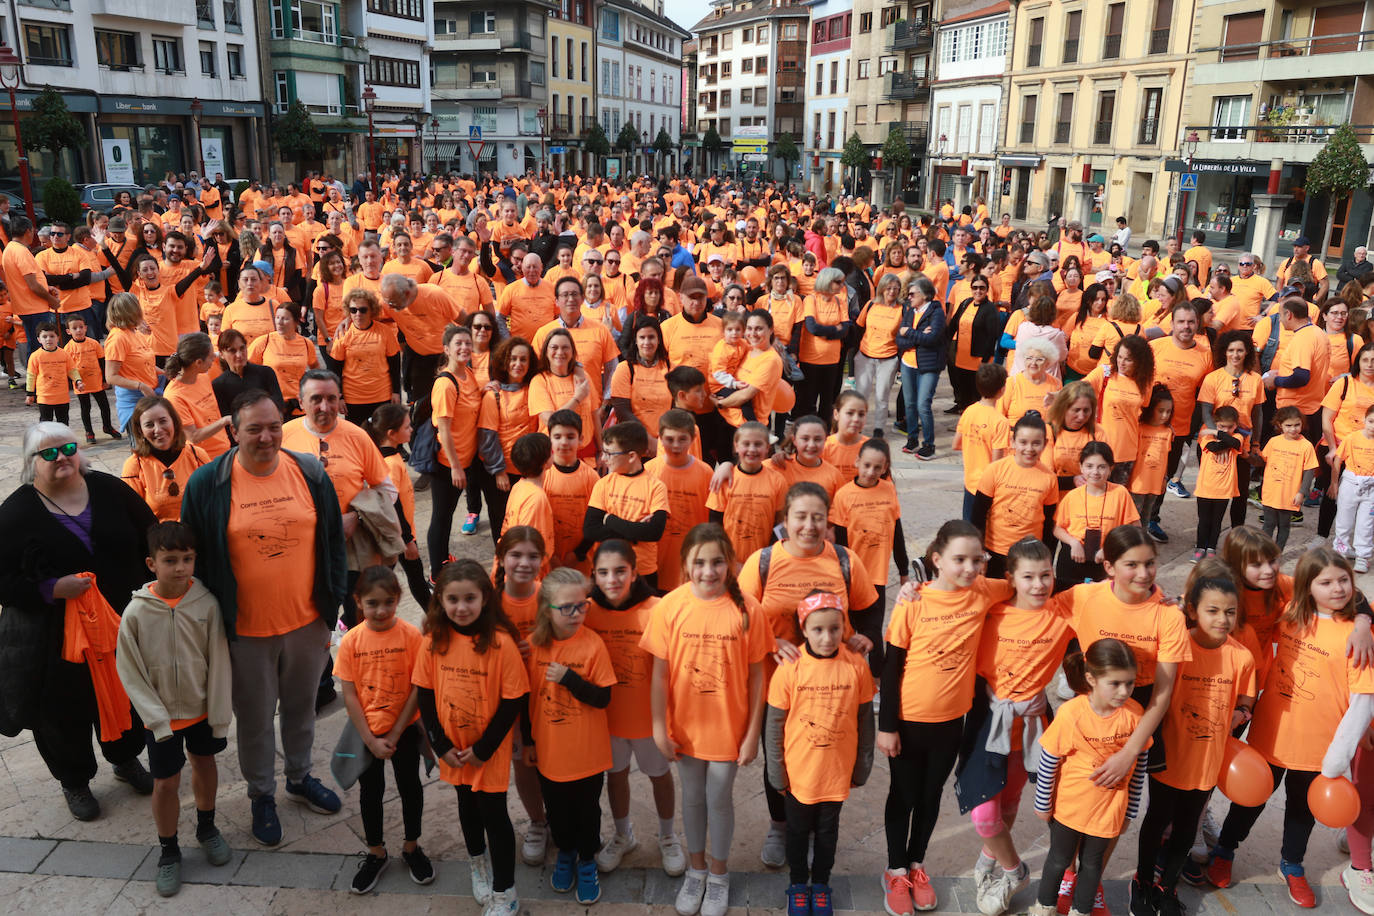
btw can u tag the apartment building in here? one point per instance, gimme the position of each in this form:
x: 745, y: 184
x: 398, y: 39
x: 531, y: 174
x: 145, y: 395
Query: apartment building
x: 1092, y: 98
x: 891, y: 50
x: 640, y: 57
x: 751, y: 72
x: 132, y: 74
x: 1270, y: 84
x: 966, y: 98
x: 827, y: 97
x: 691, y: 138
x: 572, y: 89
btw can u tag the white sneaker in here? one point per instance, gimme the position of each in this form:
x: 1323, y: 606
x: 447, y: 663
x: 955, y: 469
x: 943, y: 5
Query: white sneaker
x: 717, y: 895
x: 690, y: 895
x: 982, y: 874
x: 535, y: 845
x: 995, y: 898
x: 674, y: 859
x: 1360, y: 886
x: 1362, y: 564
x: 774, y: 852
x: 481, y: 879
x: 503, y: 903
x: 608, y: 859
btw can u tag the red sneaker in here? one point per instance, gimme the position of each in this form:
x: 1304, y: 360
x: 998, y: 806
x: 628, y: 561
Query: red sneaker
x: 1299, y: 891
x: 1219, y: 872
x: 1065, y: 901
x: 922, y: 894
x: 897, y: 894
x: 1100, y: 904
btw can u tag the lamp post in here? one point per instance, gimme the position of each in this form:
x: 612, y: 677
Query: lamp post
x: 369, y: 98
x: 434, y: 131
x: 420, y: 121
x: 197, y: 107
x: 542, y: 115
x: 9, y: 77
x: 644, y: 148
x: 1189, y: 148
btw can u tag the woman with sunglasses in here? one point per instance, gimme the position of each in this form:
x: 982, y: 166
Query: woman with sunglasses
x: 369, y: 356
x: 484, y: 340
x: 1238, y: 384
x: 162, y: 460
x: 68, y: 528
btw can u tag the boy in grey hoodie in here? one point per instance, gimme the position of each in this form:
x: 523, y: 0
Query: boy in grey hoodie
x: 173, y: 659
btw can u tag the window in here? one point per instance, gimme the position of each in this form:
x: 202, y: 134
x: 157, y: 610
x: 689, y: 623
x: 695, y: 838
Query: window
x: 987, y: 127
x: 553, y: 57
x: 1159, y: 35
x: 727, y: 40
x: 1232, y: 111
x: 746, y: 96
x: 207, y: 58
x: 787, y: 96
x: 949, y: 46
x: 864, y: 67
x: 605, y: 77
x: 537, y: 72
x: 790, y: 31
x: 887, y: 65
x: 820, y: 77
x: 615, y: 77
x: 487, y: 76
x: 1149, y: 116
x: 860, y: 113
x: 761, y: 96
x: 788, y: 65
x: 889, y: 16
x: 570, y: 59
x: 760, y: 65
x: 748, y: 35
x: 762, y: 35
x: 483, y: 22
x: 724, y: 128
x: 725, y: 69
x: 391, y: 71
x: 1116, y: 17
x: 865, y: 24
x: 117, y: 50
x: 584, y: 62
x: 234, y: 55
x: 233, y: 19
x: 1028, y: 119
x: 167, y: 55
x: 725, y: 98
x: 746, y: 65
x: 205, y: 14
x: 1073, y: 26
x: 402, y: 9
x: 830, y: 131
x: 1063, y: 126
x: 485, y: 118
x: 1037, y: 39
x: 834, y: 77
x: 49, y: 45
x: 1240, y: 34
x: 1106, y: 111
x: 315, y: 21
x: 610, y: 27
x: 818, y: 35
x: 283, y: 92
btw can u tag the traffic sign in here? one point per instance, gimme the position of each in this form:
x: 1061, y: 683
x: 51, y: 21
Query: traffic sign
x: 475, y: 132
x: 1188, y: 182
x: 746, y: 147
x: 476, y: 147
x: 755, y: 157
x: 557, y: 150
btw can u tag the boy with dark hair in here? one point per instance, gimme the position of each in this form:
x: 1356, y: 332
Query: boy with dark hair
x: 627, y: 503
x: 568, y: 485
x: 528, y: 504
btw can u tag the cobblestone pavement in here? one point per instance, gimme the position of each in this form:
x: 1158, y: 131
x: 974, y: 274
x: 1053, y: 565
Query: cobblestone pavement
x: 52, y: 864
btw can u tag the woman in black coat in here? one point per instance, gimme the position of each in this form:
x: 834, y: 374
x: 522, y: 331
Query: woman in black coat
x: 65, y: 519
x: 240, y: 375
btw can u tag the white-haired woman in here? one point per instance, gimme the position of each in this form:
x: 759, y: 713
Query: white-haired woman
x: 825, y: 325
x: 1034, y: 388
x: 65, y: 520
x: 1038, y: 323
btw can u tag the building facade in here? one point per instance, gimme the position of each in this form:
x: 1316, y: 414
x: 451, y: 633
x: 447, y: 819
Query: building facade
x: 1090, y: 100
x: 966, y: 98
x: 640, y: 53
x: 747, y: 49
x: 132, y: 73
x: 891, y: 51
x: 572, y: 86
x: 827, y: 96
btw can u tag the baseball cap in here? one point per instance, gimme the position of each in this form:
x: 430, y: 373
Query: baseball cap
x: 1302, y: 240
x: 692, y: 286
x: 717, y: 256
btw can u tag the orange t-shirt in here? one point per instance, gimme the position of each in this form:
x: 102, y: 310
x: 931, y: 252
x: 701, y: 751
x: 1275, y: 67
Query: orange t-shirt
x: 379, y: 664
x: 688, y: 487
x: 568, y: 490
x: 825, y: 475
x: 750, y: 503
x: 1020, y: 650
x: 1221, y: 389
x: 548, y: 392
x: 459, y: 405
x: 572, y: 740
x: 1307, y: 350
x: 86, y: 356
x: 1120, y: 412
x: 133, y: 351
x: 761, y: 369
x: 17, y: 262
x: 159, y: 311
x: 1080, y: 510
x: 50, y: 373
x: 468, y: 687
x: 424, y: 320
x: 1022, y: 395
x: 596, y: 347
x: 1263, y: 608
x: 844, y: 458
x: 646, y: 390
x: 1019, y: 496
x: 1083, y: 741
x: 289, y: 359
x: 940, y: 631
x: 822, y: 698
x: 252, y: 321
x: 982, y: 430
x: 1357, y: 454
x: 506, y: 412
x: 527, y: 308
x: 1198, y: 719
x: 1216, y: 471
x: 196, y: 406
x: 468, y: 292
x: 1306, y: 693
x: 1350, y: 398
x: 1285, y: 461
x: 870, y: 517
x: 690, y: 344
x: 709, y: 649
x: 629, y: 715
x: 522, y: 611
x: 632, y: 497
x: 1155, y: 631
x: 828, y: 310
x: 366, y: 379
x: 1151, y: 459
x: 880, y: 323
x: 350, y: 458
x: 529, y: 505
x: 148, y: 478
x: 1063, y: 450
x: 271, y: 536
x: 1182, y: 372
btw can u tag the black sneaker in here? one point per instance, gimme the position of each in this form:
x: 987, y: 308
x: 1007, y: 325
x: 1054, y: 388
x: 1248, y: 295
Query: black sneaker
x: 421, y: 869
x: 1297, y: 518
x: 135, y: 774
x: 81, y: 803
x: 925, y: 452
x: 1143, y: 899
x: 1193, y: 873
x: 266, y: 824
x: 368, y: 872
x: 112, y: 433
x: 1168, y: 903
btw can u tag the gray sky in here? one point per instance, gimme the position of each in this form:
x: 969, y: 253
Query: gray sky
x: 687, y: 13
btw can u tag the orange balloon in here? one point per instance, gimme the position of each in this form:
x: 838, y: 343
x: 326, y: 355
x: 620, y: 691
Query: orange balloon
x: 753, y: 276
x: 1334, y: 802
x: 1245, y: 776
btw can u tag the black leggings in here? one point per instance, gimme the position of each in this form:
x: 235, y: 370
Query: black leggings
x: 482, y: 484
x: 574, y: 812
x: 821, y: 819
x: 918, y: 776
x: 817, y: 390
x: 1297, y: 817
x: 1065, y: 842
x: 359, y: 414
x: 1068, y: 572
x: 103, y: 402
x: 415, y: 578
x: 444, y: 496
x: 1210, y: 514
x: 67, y: 716
x: 59, y: 412
x: 1179, y: 809
x: 485, y: 821
x: 405, y: 767
x: 870, y: 624
x: 963, y: 381
x: 1241, y: 503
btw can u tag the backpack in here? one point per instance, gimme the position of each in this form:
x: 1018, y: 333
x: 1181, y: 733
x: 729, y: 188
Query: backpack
x: 766, y: 559
x: 424, y: 438
x: 1271, y: 346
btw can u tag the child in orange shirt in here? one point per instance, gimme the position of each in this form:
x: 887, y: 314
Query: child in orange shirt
x: 729, y: 352
x: 828, y: 690
x: 1354, y: 494
x: 89, y: 358
x: 568, y: 738
x: 568, y: 483
x: 1016, y: 496
x: 50, y: 368
x: 983, y: 433
x: 389, y: 427
x: 472, y: 687
x: 747, y: 505
x: 1154, y: 438
x: 688, y: 482
x: 11, y: 336
x: 214, y: 303
x: 1217, y: 477
x: 1086, y: 514
x: 1216, y: 690
x: 628, y: 502
x: 1084, y: 817
x: 801, y: 458
x: 374, y: 664
x: 1019, y: 652
x: 709, y: 641
x: 620, y: 609
x: 847, y: 436
x: 1254, y: 560
x: 1290, y: 462
x: 528, y: 504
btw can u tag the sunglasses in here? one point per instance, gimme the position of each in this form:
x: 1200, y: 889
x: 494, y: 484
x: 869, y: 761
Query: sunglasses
x: 1247, y: 263
x: 171, y: 477
x: 359, y: 311
x: 613, y: 260
x: 1235, y: 387
x: 50, y: 454
x: 324, y: 452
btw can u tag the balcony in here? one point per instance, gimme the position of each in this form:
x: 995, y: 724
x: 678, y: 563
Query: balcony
x: 560, y: 125
x: 1149, y: 132
x: 911, y: 34
x: 61, y: 5
x: 1062, y: 131
x: 1071, y: 50
x: 1111, y: 48
x: 917, y: 138
x: 1102, y: 134
x: 1291, y: 143
x: 500, y: 40
x: 159, y: 11
x: 911, y: 85
x: 1159, y: 41
x: 1292, y: 59
x: 588, y: 122
x: 485, y: 92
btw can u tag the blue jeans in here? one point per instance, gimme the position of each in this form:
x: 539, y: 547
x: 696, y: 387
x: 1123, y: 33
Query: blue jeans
x: 918, y: 390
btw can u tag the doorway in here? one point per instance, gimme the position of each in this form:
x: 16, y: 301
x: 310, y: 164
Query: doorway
x: 1022, y: 196
x: 1099, y: 195
x: 1336, y: 250
x: 1054, y: 204
x: 1142, y: 187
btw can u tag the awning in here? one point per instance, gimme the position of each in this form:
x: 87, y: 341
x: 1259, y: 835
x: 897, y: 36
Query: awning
x: 1024, y: 161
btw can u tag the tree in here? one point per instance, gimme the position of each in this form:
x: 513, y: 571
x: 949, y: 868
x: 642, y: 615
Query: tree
x: 61, y: 201
x: 853, y: 158
x: 597, y: 144
x: 1337, y: 171
x: 785, y: 148
x: 663, y: 144
x: 896, y: 153
x: 713, y: 145
x: 626, y: 141
x: 296, y: 135
x: 51, y: 126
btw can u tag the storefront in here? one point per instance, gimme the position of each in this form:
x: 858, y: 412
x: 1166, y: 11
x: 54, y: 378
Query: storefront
x: 1222, y: 206
x: 70, y: 164
x: 160, y: 136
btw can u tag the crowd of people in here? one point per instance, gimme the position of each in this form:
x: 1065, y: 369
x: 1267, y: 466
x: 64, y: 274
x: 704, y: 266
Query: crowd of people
x: 645, y: 385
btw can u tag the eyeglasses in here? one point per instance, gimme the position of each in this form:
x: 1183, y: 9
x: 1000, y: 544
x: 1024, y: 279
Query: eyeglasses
x: 606, y: 454
x: 570, y: 610
x: 57, y: 233
x: 170, y: 476
x: 50, y: 454
x: 613, y: 260
x: 359, y: 311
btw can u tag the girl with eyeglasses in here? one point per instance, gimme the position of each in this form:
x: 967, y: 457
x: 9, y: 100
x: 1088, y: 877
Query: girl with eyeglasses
x: 162, y: 459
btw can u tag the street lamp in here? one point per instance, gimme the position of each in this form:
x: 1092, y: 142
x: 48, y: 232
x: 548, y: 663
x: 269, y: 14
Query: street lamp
x: 1189, y: 149
x: 9, y: 78
x: 196, y: 109
x: 542, y: 115
x: 419, y: 122
x: 369, y: 98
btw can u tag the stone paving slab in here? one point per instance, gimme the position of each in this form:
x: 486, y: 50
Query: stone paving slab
x: 83, y: 859
x: 22, y: 854
x: 267, y: 868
